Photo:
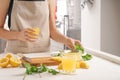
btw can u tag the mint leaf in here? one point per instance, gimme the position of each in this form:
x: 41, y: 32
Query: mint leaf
x: 59, y: 54
x: 54, y: 72
x: 79, y: 48
x: 34, y: 69
x: 87, y: 57
x: 28, y: 68
x: 42, y: 68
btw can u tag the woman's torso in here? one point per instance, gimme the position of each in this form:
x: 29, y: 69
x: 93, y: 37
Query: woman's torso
x: 29, y: 14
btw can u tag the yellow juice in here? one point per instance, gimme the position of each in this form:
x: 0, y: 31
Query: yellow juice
x: 69, y: 64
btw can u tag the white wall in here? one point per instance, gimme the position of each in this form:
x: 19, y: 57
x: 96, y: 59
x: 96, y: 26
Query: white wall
x: 90, y: 26
x: 101, y: 26
x: 61, y: 9
x: 110, y: 10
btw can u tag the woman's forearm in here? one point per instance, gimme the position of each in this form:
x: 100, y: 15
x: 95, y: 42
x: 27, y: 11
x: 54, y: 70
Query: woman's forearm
x: 8, y: 35
x: 54, y: 33
x: 57, y: 36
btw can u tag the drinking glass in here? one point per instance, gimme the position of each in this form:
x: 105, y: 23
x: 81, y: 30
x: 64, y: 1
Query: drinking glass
x: 69, y: 64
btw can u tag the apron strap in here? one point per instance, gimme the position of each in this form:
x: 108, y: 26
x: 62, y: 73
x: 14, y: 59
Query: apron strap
x: 9, y: 12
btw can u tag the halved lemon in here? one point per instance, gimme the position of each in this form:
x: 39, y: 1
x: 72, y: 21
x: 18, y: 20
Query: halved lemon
x: 4, y: 62
x: 83, y: 64
x: 15, y: 62
x: 9, y: 55
x: 60, y: 66
x: 37, y: 30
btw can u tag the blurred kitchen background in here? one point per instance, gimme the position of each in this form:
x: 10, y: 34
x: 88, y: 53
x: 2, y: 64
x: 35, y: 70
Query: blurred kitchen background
x: 96, y: 23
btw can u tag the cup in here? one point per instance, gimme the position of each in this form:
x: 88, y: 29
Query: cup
x: 69, y: 64
x: 78, y: 55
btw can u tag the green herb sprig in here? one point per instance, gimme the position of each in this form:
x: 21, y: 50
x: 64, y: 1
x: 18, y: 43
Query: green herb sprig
x: 84, y: 57
x: 54, y: 72
x: 43, y: 68
x: 58, y: 54
x: 87, y: 57
x: 79, y: 48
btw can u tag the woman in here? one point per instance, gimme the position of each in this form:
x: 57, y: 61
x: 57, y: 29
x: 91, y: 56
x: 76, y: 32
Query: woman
x: 25, y: 15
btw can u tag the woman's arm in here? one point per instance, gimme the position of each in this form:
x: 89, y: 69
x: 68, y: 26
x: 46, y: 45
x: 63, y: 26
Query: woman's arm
x: 55, y: 34
x: 5, y: 34
x: 23, y: 35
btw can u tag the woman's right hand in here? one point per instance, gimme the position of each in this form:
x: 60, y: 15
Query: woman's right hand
x: 27, y: 35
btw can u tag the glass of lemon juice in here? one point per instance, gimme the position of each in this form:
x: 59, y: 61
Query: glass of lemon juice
x: 69, y: 64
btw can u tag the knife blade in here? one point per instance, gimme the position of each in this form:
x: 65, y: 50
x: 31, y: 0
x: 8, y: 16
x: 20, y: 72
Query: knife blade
x: 27, y: 59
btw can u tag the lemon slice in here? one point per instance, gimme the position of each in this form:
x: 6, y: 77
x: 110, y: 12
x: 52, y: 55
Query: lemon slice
x: 4, y: 62
x: 15, y: 62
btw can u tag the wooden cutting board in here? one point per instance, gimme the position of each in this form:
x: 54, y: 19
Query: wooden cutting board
x: 42, y: 60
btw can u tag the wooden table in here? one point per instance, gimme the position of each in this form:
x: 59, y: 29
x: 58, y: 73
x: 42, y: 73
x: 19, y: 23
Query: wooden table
x: 101, y: 68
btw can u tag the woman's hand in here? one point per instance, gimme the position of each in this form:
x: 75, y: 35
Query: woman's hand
x: 27, y: 35
x: 70, y: 43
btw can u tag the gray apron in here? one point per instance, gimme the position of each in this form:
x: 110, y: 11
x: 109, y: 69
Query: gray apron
x: 29, y: 14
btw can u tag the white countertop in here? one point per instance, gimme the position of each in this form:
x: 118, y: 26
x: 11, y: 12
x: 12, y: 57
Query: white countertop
x: 100, y: 69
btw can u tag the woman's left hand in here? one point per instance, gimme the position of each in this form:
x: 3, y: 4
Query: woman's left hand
x: 70, y: 43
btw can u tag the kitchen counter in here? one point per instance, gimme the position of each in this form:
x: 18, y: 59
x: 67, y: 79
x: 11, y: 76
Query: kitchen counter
x: 101, y: 68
